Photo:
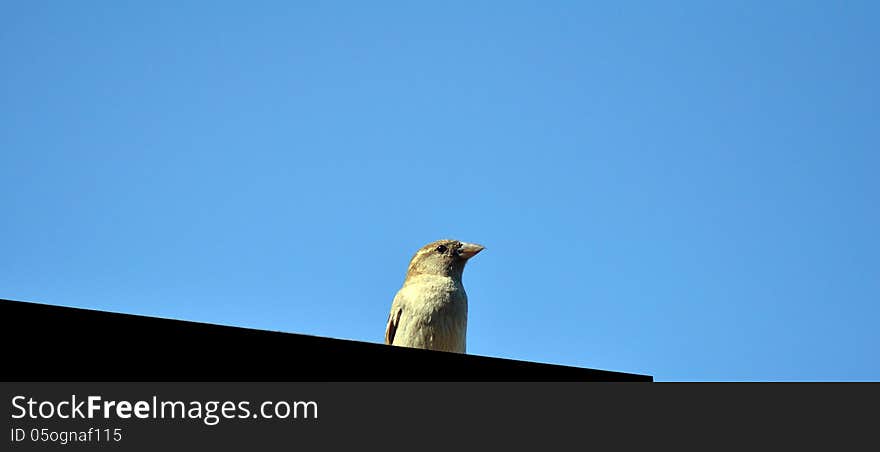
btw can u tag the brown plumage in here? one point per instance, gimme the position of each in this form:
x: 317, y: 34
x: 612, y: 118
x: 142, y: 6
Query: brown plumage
x: 430, y: 310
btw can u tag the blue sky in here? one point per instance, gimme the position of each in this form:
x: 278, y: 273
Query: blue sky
x: 687, y: 190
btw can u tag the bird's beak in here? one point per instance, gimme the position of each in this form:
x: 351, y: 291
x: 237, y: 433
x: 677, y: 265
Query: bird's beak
x: 469, y: 250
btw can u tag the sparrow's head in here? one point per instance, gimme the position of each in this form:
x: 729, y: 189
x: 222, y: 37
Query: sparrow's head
x: 442, y: 258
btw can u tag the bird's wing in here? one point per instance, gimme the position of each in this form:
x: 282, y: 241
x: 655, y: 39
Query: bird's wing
x: 393, y: 320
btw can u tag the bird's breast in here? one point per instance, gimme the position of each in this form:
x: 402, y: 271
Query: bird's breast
x: 435, y: 293
x: 437, y: 314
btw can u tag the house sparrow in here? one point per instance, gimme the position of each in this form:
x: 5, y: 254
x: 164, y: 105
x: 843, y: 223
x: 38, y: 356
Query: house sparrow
x: 430, y: 310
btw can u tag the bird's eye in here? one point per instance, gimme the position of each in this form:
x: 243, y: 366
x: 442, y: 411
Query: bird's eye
x: 441, y: 249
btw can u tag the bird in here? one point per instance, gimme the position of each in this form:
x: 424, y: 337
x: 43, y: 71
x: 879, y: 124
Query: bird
x: 430, y: 309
